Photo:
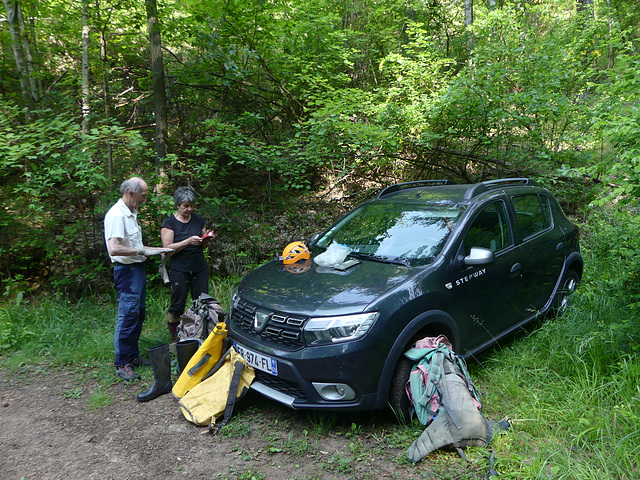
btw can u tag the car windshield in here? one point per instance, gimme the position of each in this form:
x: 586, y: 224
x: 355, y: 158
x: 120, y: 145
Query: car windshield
x: 405, y: 233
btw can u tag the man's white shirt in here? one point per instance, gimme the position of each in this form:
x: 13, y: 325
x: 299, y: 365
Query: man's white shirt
x: 120, y: 222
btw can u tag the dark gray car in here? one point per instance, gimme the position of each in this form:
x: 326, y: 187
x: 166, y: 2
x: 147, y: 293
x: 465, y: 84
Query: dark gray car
x: 472, y: 262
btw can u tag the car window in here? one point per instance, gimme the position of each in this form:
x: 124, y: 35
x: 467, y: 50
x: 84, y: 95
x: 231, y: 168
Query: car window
x: 490, y: 229
x: 532, y: 214
x: 411, y: 232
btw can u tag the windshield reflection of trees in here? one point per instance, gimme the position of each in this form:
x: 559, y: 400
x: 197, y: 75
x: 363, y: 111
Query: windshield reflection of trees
x: 394, y: 231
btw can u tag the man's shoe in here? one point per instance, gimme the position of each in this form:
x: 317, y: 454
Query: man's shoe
x: 126, y: 373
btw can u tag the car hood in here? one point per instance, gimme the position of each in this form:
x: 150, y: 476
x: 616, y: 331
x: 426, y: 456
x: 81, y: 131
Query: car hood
x: 308, y: 289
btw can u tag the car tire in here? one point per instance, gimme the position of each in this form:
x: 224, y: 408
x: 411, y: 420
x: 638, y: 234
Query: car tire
x: 563, y: 295
x: 398, y: 400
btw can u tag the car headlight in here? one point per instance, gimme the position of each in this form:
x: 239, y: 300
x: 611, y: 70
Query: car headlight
x: 328, y: 330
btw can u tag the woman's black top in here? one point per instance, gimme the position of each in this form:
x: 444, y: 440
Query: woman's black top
x: 191, y: 258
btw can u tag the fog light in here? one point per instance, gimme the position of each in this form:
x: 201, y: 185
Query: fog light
x: 334, y: 391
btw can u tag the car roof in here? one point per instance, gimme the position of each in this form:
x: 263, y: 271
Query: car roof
x: 448, y: 190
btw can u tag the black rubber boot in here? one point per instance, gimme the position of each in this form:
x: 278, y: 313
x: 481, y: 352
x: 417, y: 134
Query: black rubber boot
x: 185, y: 350
x: 161, y: 363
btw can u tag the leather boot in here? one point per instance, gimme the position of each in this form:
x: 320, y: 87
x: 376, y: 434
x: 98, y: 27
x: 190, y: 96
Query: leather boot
x: 161, y: 364
x: 185, y: 350
x: 172, y: 325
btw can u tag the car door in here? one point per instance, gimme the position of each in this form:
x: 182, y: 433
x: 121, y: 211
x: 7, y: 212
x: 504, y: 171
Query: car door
x: 485, y: 294
x: 542, y: 246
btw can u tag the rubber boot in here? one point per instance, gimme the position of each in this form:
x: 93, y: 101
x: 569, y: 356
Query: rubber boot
x: 161, y: 363
x: 185, y: 350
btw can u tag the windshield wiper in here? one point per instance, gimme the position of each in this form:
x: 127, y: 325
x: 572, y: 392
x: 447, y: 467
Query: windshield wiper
x: 377, y: 258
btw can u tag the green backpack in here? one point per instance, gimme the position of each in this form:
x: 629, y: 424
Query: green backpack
x: 446, y: 400
x: 425, y: 386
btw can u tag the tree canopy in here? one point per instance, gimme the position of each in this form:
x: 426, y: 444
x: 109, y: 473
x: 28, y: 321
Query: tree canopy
x: 270, y: 103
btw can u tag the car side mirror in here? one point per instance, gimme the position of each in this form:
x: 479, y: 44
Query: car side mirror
x: 479, y: 256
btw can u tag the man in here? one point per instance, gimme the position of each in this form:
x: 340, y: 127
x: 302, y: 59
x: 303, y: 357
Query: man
x: 123, y: 236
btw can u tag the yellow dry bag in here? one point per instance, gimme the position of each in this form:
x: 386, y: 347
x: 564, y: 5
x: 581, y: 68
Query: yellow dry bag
x: 202, y: 361
x: 216, y: 395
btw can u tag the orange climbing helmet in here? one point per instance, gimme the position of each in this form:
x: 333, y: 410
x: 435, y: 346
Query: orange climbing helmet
x: 295, y: 251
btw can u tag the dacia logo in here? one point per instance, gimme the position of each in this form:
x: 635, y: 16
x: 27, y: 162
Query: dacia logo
x: 260, y: 320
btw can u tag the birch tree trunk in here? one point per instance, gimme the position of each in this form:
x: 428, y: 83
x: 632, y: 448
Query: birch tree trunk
x: 86, y: 106
x: 17, y: 46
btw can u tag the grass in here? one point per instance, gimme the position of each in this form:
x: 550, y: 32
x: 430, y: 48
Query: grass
x: 571, y: 386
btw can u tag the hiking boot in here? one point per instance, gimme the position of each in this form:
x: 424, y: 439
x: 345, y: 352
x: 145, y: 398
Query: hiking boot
x: 126, y: 373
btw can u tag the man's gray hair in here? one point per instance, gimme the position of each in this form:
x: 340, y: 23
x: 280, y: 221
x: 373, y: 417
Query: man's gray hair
x: 133, y: 184
x: 184, y: 194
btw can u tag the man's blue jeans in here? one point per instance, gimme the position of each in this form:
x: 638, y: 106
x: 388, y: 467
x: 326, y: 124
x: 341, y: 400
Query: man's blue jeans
x: 131, y: 284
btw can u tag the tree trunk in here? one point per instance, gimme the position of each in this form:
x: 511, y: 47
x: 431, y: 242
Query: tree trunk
x: 584, y: 8
x: 583, y: 5
x: 86, y: 107
x: 106, y: 94
x: 468, y: 21
x: 30, y: 64
x: 468, y: 13
x: 159, y: 92
x: 13, y: 16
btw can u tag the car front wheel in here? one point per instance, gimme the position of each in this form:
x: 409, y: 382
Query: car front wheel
x: 398, y: 399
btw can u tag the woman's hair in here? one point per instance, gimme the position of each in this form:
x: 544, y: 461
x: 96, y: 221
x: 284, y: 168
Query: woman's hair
x: 184, y: 194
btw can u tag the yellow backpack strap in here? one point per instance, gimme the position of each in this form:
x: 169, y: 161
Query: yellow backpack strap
x: 231, y: 398
x: 218, y: 364
x: 205, y: 358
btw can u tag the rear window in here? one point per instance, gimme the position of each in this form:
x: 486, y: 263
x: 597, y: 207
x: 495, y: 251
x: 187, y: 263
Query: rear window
x: 533, y: 214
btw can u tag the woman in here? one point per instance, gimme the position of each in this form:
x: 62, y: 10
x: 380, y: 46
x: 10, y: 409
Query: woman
x: 188, y: 272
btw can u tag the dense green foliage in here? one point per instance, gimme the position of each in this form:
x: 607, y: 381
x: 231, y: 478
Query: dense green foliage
x: 277, y: 108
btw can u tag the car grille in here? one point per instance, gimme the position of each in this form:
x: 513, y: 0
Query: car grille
x: 281, y: 329
x: 283, y: 386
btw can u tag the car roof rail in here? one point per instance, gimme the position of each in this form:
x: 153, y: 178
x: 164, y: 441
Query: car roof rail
x: 478, y: 188
x: 419, y: 183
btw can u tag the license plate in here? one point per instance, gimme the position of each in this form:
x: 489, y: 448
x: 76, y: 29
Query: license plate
x: 257, y: 360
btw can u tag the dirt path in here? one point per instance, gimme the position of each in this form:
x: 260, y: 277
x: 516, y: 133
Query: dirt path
x: 50, y: 432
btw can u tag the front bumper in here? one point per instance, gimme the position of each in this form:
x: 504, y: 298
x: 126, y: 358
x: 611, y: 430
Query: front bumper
x: 346, y: 374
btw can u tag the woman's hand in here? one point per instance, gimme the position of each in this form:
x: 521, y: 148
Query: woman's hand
x: 194, y: 240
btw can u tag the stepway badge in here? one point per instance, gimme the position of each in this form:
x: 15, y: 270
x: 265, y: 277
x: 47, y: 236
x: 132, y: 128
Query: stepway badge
x: 465, y: 279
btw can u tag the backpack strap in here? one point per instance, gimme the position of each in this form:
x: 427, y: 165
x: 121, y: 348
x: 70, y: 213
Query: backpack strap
x: 231, y: 398
x: 462, y: 367
x: 218, y: 364
x: 205, y: 358
x: 420, y: 387
x: 492, y: 461
x: 443, y: 369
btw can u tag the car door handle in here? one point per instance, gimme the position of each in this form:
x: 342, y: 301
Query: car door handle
x: 560, y: 246
x: 515, y: 269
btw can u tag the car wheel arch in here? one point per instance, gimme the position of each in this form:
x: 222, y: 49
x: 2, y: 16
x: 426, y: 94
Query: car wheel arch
x: 574, y: 263
x: 431, y: 323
